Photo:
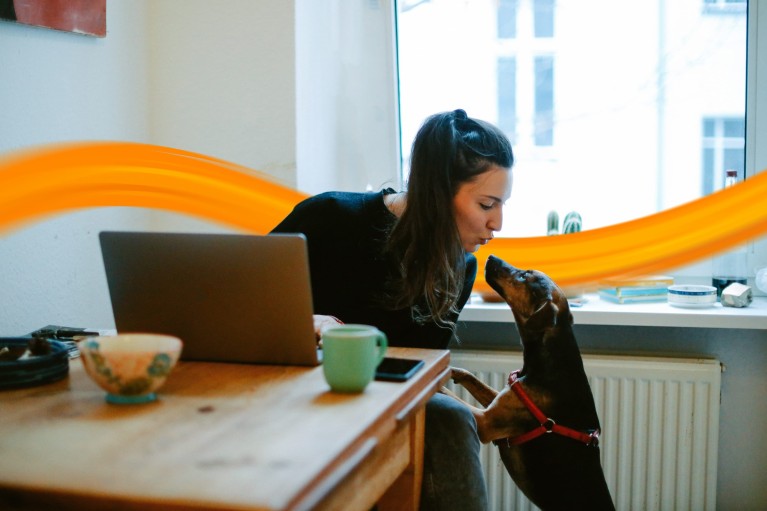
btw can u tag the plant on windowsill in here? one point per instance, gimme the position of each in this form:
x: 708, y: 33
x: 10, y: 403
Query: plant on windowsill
x: 572, y: 223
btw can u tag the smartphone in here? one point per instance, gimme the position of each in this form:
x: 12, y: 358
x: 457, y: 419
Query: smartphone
x: 397, y: 369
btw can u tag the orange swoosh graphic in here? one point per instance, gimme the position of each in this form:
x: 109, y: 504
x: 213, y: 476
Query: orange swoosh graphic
x: 65, y: 177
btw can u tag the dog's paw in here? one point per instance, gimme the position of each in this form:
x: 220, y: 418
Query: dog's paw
x: 458, y: 375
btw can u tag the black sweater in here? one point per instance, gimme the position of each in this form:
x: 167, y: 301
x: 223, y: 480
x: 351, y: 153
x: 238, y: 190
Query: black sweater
x: 346, y: 233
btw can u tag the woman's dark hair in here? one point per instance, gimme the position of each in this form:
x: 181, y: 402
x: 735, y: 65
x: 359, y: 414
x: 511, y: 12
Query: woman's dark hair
x: 449, y: 149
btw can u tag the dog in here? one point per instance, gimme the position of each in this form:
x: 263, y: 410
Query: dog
x: 548, y: 433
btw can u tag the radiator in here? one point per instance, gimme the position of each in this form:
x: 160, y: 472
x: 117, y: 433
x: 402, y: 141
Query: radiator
x: 660, y: 429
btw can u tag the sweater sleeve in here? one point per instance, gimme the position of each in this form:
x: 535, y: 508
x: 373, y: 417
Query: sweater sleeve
x: 310, y: 216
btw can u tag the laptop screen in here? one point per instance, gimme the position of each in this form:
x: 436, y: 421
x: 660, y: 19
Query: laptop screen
x: 228, y: 297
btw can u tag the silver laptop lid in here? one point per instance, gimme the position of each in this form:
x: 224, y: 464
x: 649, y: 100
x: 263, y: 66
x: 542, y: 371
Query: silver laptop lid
x: 228, y: 297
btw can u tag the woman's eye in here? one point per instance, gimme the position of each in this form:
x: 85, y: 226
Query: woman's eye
x: 485, y: 206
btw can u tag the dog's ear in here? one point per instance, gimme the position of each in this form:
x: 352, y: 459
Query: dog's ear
x: 543, y: 318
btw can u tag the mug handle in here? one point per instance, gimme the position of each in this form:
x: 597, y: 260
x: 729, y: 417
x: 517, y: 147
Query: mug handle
x: 383, y: 344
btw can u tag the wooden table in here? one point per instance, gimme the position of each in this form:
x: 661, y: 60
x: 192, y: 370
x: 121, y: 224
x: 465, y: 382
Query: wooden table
x: 221, y: 436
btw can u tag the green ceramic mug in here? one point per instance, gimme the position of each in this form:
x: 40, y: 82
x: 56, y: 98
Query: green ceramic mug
x: 350, y: 355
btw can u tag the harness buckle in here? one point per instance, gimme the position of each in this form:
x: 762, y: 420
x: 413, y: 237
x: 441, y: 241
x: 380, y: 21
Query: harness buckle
x: 549, y: 425
x: 593, y: 439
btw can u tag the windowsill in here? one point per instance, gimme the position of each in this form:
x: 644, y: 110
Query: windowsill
x: 599, y: 312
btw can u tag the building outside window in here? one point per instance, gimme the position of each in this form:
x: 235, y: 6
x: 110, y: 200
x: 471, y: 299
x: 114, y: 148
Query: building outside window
x: 723, y: 145
x: 616, y: 109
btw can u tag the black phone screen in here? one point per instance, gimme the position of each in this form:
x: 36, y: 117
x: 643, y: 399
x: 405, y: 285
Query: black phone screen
x: 397, y: 369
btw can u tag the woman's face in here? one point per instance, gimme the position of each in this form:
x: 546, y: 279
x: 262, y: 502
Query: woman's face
x: 478, y: 206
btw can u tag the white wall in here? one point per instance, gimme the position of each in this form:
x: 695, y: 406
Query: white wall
x: 170, y: 72
x: 223, y: 81
x: 347, y: 128
x: 217, y: 78
x: 56, y: 86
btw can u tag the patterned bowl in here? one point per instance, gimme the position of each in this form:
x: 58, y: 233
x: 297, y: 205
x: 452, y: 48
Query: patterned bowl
x: 130, y: 367
x: 692, y: 296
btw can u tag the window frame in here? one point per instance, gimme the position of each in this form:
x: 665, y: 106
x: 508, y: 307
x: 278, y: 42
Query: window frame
x: 756, y: 115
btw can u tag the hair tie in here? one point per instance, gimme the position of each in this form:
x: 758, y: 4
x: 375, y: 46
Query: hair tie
x: 460, y: 114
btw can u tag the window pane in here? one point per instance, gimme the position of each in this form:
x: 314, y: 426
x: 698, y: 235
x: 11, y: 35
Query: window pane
x: 544, y: 18
x: 544, y: 101
x: 724, y: 143
x: 724, y: 6
x: 708, y: 127
x: 734, y: 128
x: 708, y: 171
x: 507, y: 105
x: 507, y: 19
x: 733, y: 159
x: 615, y: 115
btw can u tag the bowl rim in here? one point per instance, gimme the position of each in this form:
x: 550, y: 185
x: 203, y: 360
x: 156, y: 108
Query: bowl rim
x: 691, y: 290
x: 120, y: 342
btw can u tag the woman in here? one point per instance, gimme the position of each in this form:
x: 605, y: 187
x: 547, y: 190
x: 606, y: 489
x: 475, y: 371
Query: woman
x: 403, y: 262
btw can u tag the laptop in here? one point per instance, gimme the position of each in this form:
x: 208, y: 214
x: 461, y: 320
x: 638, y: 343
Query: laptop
x: 228, y: 297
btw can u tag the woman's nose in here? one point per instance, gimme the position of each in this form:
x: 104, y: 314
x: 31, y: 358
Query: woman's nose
x: 495, y: 222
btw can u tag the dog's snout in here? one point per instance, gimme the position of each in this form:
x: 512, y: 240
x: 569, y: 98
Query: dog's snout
x: 492, y: 263
x: 496, y: 265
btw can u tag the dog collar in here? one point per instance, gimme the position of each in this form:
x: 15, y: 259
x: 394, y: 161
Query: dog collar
x: 547, y: 424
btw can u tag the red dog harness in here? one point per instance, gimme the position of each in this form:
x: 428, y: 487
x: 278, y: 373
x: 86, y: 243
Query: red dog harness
x: 547, y: 424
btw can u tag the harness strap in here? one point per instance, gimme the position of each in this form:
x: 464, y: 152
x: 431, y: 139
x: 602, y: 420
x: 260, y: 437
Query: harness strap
x: 547, y: 424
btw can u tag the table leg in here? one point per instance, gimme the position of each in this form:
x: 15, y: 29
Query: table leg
x: 405, y: 493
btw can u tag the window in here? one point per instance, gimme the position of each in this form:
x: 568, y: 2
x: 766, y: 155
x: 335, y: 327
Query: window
x: 543, y: 18
x: 615, y: 113
x: 507, y: 19
x: 544, y: 101
x: 724, y: 140
x: 507, y: 99
x: 724, y: 6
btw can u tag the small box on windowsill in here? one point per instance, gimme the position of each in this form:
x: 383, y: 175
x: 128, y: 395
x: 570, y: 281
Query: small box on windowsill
x: 639, y: 295
x: 737, y: 295
x: 648, y: 289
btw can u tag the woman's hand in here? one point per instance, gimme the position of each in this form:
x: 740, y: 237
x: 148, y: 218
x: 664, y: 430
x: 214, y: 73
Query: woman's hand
x: 321, y: 323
